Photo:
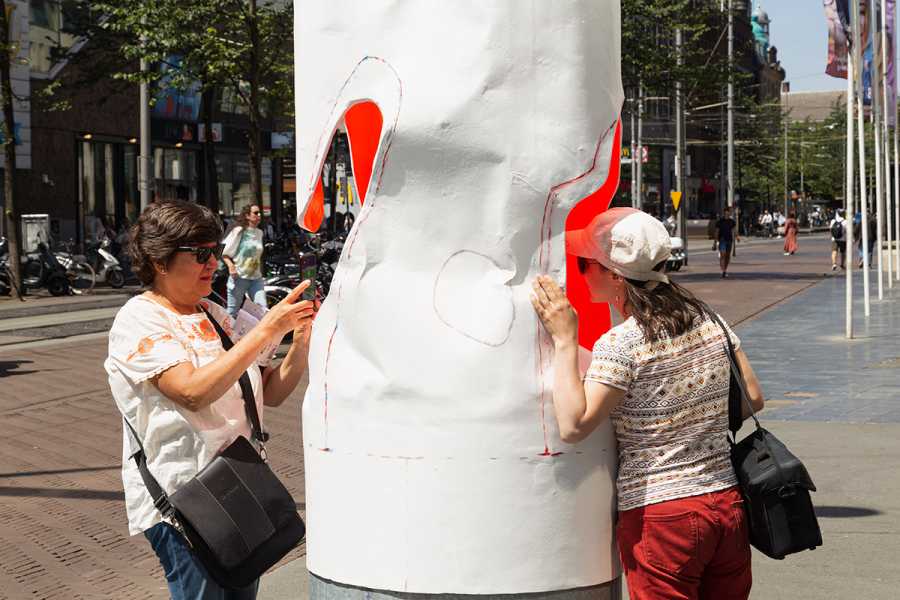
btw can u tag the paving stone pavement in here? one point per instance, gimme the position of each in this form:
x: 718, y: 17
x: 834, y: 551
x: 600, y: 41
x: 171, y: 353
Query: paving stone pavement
x: 811, y: 372
x: 62, y: 511
x: 62, y: 515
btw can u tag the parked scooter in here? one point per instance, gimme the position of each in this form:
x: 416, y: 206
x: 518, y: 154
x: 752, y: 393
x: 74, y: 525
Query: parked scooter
x: 105, y: 265
x: 79, y: 271
x: 44, y: 270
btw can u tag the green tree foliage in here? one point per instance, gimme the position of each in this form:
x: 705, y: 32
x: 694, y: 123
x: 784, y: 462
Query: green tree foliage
x: 648, y: 46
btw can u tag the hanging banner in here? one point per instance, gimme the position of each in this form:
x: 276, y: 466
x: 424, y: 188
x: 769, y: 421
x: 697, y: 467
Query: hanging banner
x: 837, y: 15
x: 871, y: 57
x: 892, y: 62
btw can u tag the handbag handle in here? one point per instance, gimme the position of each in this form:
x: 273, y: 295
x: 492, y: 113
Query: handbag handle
x: 732, y: 359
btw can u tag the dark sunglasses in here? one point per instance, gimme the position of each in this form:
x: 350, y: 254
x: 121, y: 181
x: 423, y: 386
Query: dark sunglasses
x: 203, y: 253
x: 254, y: 212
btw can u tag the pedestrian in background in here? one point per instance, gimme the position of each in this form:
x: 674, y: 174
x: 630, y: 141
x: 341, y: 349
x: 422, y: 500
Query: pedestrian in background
x: 766, y: 222
x: 838, y: 227
x: 725, y: 237
x: 176, y: 385
x: 790, y: 234
x: 662, y: 378
x: 243, y: 256
x: 872, y: 230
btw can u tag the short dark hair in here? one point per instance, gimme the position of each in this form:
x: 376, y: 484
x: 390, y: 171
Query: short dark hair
x: 162, y: 228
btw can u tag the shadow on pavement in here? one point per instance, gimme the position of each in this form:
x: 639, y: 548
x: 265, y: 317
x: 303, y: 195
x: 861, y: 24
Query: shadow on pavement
x: 28, y: 492
x: 8, y: 366
x: 845, y: 512
x: 59, y: 471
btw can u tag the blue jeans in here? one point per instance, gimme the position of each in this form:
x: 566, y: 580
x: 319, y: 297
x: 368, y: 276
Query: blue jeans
x: 185, y: 575
x: 238, y: 286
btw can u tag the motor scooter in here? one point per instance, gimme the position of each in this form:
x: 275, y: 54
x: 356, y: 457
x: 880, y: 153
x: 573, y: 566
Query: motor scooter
x: 106, y: 266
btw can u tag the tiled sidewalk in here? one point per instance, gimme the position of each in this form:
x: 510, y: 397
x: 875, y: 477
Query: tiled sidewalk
x: 811, y: 372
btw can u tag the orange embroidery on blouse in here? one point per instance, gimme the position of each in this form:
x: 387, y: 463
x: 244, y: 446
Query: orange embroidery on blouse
x: 146, y: 345
x: 206, y: 331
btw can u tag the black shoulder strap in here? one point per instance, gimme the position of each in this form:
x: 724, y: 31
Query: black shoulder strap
x: 734, y: 408
x: 160, y: 498
x: 246, y: 387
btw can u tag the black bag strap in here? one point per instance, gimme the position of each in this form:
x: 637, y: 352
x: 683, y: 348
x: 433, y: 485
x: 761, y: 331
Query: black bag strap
x: 732, y: 359
x: 160, y: 498
x: 246, y: 387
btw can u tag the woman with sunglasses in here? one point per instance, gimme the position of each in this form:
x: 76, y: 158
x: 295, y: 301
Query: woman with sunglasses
x: 243, y: 256
x: 176, y: 385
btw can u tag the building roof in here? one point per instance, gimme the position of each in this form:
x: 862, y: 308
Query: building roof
x: 815, y: 106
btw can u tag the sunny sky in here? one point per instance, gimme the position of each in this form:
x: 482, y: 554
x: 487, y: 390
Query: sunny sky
x: 798, y: 31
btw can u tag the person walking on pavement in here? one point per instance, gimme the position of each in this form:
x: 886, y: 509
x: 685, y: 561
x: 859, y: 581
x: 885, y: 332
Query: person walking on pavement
x: 872, y: 231
x: 766, y: 221
x: 243, y: 256
x: 725, y: 238
x: 175, y: 384
x: 662, y: 378
x: 790, y: 234
x: 838, y: 227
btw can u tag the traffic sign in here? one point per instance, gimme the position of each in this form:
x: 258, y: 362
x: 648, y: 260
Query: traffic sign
x: 676, y: 199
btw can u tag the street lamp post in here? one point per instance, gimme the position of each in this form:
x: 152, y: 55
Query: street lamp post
x: 144, y: 159
x: 730, y: 105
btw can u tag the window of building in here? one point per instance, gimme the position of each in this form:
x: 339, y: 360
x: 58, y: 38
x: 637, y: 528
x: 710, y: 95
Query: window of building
x: 231, y: 103
x: 45, y: 13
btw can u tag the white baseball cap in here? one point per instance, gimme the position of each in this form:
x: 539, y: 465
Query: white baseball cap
x: 627, y: 241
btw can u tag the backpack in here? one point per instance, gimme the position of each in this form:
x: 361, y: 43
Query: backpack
x: 837, y: 230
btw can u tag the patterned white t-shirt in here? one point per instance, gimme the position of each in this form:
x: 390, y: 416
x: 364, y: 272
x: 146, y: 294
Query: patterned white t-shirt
x: 145, y: 340
x: 244, y: 246
x: 672, y: 424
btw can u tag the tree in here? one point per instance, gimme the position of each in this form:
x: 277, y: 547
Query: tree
x: 244, y: 46
x: 648, y: 46
x: 8, y: 50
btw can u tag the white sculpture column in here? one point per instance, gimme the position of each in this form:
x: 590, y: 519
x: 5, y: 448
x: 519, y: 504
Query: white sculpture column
x: 433, y: 461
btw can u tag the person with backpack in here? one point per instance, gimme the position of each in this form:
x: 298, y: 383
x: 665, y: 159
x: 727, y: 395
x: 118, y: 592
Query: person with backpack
x: 838, y: 244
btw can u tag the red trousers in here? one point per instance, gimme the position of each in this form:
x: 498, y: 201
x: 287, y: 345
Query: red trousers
x: 686, y: 549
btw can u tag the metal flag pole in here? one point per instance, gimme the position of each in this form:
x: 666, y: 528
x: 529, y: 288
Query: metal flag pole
x: 861, y: 136
x: 631, y: 109
x: 876, y: 123
x: 640, y: 148
x: 730, y: 107
x: 887, y: 205
x: 848, y: 197
x: 896, y: 203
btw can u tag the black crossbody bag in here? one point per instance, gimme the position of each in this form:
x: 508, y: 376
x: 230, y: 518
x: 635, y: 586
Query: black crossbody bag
x: 235, y: 514
x: 774, y: 483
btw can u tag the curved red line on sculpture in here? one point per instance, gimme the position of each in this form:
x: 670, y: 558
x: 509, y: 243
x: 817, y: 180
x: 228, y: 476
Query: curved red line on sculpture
x: 594, y: 319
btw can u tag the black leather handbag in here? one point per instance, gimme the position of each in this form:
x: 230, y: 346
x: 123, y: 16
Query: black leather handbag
x: 237, y: 517
x: 774, y: 483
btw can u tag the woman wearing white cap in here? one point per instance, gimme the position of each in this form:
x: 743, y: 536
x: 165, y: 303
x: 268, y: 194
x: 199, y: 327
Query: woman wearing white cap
x: 662, y: 377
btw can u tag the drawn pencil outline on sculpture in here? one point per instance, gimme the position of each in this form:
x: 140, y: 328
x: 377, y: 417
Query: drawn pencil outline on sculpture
x: 377, y: 68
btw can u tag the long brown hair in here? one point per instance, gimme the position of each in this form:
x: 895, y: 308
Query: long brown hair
x: 667, y: 310
x: 243, y: 218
